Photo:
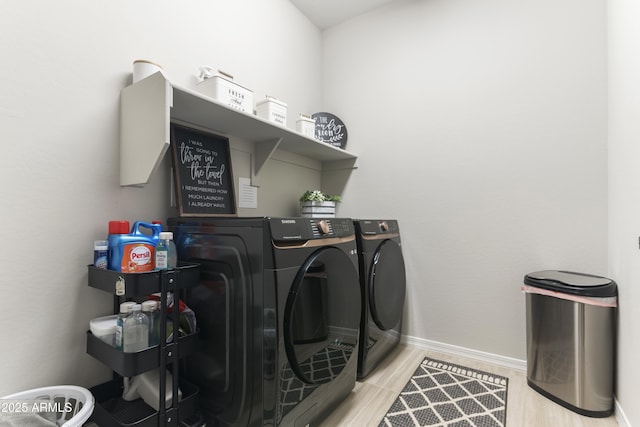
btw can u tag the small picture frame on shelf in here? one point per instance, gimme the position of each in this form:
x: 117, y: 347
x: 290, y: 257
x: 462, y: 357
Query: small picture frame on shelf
x: 203, y: 176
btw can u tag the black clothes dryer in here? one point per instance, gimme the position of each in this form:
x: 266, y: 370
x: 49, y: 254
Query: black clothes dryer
x: 278, y: 309
x: 383, y: 286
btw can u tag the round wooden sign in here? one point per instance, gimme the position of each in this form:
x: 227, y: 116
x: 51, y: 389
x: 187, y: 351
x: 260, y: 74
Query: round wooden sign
x: 330, y: 129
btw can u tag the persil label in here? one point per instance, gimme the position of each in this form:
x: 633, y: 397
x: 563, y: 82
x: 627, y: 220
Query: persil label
x: 137, y: 258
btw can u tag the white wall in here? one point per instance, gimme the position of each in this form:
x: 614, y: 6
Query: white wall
x: 64, y: 64
x: 481, y: 126
x: 624, y: 191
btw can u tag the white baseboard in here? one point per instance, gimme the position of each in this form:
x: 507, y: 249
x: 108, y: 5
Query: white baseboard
x: 496, y: 359
x: 466, y: 352
x: 621, y: 417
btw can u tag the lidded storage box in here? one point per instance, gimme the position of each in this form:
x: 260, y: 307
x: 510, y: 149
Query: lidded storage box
x: 306, y: 125
x: 571, y: 339
x: 273, y: 110
x: 222, y: 87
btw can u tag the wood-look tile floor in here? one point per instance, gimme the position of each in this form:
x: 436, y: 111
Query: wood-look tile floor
x: 371, y: 398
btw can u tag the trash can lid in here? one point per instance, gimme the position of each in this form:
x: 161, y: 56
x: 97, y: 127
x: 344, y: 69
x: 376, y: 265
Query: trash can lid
x: 572, y: 283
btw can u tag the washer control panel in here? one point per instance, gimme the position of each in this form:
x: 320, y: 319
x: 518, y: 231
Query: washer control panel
x: 310, y: 228
x: 321, y: 227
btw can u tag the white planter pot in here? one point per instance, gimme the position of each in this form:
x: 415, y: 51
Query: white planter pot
x: 318, y: 209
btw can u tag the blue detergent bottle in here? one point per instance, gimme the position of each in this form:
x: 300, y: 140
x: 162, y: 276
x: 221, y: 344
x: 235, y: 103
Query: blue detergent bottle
x: 155, y: 228
x: 132, y: 252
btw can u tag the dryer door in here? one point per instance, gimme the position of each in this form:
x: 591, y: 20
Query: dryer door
x: 322, y: 316
x: 387, y: 283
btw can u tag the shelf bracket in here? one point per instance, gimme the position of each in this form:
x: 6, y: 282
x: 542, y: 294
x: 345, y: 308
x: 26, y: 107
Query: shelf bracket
x: 335, y: 175
x: 262, y: 153
x: 337, y: 165
x: 144, y: 128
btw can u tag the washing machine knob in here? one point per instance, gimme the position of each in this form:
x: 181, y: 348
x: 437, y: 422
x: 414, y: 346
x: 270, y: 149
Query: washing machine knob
x: 323, y: 226
x: 383, y: 226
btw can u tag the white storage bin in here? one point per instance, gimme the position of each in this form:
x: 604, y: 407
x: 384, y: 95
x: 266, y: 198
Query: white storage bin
x: 306, y: 125
x: 311, y: 209
x: 104, y: 327
x: 222, y: 87
x: 273, y: 110
x: 147, y: 386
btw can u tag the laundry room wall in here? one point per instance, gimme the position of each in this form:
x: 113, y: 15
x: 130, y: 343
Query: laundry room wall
x: 624, y: 194
x: 482, y: 127
x: 64, y: 65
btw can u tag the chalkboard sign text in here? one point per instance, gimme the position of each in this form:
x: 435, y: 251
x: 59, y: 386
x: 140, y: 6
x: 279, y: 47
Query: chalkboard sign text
x: 202, y: 173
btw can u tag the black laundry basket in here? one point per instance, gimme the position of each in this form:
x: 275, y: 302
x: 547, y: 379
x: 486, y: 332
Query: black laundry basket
x: 571, y: 339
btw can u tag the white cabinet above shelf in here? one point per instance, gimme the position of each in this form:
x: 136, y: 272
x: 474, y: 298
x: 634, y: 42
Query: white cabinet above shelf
x: 148, y: 107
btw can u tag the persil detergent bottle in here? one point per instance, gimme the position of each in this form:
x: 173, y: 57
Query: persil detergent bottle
x: 132, y: 252
x: 154, y: 229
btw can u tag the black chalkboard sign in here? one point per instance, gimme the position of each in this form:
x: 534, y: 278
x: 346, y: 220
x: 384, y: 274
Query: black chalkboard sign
x: 202, y: 173
x: 330, y: 129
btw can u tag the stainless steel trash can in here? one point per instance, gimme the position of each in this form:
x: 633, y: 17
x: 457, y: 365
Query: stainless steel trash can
x: 571, y: 339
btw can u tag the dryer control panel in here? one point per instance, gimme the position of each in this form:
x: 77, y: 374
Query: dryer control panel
x: 378, y: 226
x: 284, y: 229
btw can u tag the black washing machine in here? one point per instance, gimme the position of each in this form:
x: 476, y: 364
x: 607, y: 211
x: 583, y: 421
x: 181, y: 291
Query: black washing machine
x: 278, y: 309
x: 383, y: 285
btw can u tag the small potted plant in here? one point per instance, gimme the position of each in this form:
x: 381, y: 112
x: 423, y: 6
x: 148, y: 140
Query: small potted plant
x: 316, y: 204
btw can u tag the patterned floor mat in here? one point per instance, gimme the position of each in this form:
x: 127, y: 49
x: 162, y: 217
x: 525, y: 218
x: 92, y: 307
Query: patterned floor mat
x: 444, y: 394
x: 323, y: 366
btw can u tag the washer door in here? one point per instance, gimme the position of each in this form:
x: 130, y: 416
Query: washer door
x: 322, y: 316
x: 387, y: 285
x: 222, y: 303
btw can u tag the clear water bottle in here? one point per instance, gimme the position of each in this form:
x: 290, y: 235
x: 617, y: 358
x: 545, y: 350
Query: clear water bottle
x: 125, y: 311
x: 166, y: 253
x: 150, y: 309
x: 135, y: 331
